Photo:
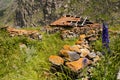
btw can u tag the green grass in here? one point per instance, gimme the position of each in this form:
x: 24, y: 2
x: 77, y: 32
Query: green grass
x: 32, y: 63
x: 109, y: 65
x: 28, y: 64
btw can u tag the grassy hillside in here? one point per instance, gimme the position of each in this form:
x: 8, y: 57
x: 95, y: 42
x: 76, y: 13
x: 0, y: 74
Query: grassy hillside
x: 31, y: 61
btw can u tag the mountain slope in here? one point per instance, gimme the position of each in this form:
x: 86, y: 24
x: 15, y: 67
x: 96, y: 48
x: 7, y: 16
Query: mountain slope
x: 42, y: 12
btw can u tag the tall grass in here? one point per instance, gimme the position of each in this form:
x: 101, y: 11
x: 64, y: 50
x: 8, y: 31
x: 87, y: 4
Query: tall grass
x: 109, y: 65
x: 32, y: 62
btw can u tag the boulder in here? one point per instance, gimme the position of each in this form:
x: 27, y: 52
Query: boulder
x: 79, y: 64
x: 56, y: 60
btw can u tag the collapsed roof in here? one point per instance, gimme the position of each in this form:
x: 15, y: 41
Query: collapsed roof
x: 71, y: 21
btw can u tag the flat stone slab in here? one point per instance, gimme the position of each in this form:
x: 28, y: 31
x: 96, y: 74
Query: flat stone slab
x: 79, y: 64
x: 56, y: 60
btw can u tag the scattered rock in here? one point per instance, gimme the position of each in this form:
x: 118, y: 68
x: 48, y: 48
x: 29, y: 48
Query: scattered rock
x: 56, y: 60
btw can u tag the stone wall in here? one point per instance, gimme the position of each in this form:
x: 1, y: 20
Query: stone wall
x: 76, y: 58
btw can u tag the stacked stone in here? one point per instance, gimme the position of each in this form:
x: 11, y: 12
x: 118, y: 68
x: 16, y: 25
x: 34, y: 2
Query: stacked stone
x: 92, y: 31
x: 33, y: 34
x: 76, y: 57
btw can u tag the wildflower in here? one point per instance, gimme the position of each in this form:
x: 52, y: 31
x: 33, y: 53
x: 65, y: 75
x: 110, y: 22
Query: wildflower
x: 84, y: 61
x: 105, y: 36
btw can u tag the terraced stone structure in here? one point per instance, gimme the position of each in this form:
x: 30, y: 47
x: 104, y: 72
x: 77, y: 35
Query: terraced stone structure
x: 76, y: 58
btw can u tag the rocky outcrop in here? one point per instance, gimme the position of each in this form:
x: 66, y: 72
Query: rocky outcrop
x: 34, y: 12
x: 24, y: 13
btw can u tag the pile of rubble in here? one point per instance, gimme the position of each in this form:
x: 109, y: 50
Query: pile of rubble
x: 76, y: 57
x: 92, y: 31
x: 33, y: 34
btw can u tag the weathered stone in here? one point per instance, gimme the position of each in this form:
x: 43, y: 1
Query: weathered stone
x: 84, y: 52
x: 75, y: 48
x: 85, y: 46
x: 79, y: 42
x: 79, y: 46
x: 70, y: 55
x: 79, y: 64
x: 66, y: 47
x: 92, y: 55
x: 73, y: 56
x: 34, y: 34
x: 64, y: 53
x: 56, y: 60
x: 82, y: 37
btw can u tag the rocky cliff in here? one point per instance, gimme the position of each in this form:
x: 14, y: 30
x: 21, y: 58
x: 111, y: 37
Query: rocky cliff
x: 43, y: 12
